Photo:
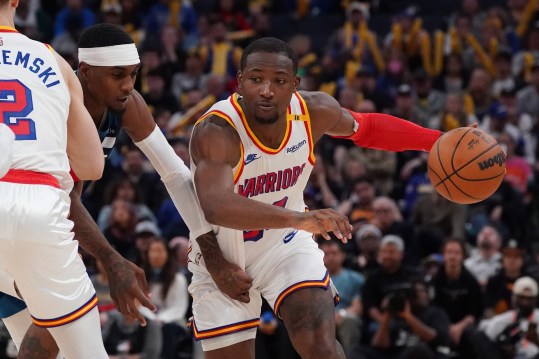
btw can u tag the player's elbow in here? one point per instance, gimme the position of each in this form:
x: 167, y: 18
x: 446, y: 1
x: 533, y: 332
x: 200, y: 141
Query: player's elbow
x: 92, y: 171
x: 211, y: 211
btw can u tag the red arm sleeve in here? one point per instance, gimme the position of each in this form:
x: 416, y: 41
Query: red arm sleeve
x: 384, y: 132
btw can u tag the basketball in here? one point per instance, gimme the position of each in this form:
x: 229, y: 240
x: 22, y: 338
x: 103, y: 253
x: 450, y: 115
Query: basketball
x: 466, y: 165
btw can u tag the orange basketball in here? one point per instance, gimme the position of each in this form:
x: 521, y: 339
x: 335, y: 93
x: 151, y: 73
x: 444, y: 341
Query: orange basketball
x: 466, y: 165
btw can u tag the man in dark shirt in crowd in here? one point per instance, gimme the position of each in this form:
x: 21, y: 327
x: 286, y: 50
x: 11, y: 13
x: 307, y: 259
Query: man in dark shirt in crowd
x: 459, y: 294
x: 411, y: 328
x: 390, y: 278
x: 498, y: 291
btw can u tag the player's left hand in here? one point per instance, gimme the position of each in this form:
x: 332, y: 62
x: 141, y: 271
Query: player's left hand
x: 128, y: 288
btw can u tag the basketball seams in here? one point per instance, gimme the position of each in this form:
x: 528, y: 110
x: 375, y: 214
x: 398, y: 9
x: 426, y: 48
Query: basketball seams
x: 460, y: 180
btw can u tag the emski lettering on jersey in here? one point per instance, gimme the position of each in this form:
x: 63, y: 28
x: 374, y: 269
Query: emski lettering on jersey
x: 270, y: 182
x: 35, y: 65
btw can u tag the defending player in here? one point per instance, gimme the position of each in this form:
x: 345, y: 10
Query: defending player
x: 252, y: 155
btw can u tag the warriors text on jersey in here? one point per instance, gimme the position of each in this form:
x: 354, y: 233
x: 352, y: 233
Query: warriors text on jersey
x: 273, y: 176
x: 39, y: 122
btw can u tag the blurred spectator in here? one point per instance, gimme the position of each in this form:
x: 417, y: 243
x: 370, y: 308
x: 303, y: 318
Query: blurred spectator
x: 178, y: 13
x: 31, y: 20
x: 454, y: 114
x: 349, y: 285
x: 498, y: 289
x: 220, y: 57
x: 119, y: 226
x: 458, y: 293
x: 180, y: 246
x: 125, y: 190
x: 479, y: 97
x: 65, y: 43
x: 359, y: 205
x: 435, y: 218
x: 191, y: 79
x: 173, y: 54
x: 525, y: 59
x: 233, y: 15
x: 145, y: 231
x: 485, y: 259
x: 388, y: 218
x: 519, y: 172
x: 410, y: 328
x: 168, y: 289
x: 522, y: 121
x: 504, y: 77
x: 157, y: 95
x: 454, y: 78
x: 73, y: 9
x: 528, y: 97
x: 368, y: 239
x: 497, y: 121
x: 389, y: 279
x: 404, y: 106
x: 429, y: 101
x: 514, y: 333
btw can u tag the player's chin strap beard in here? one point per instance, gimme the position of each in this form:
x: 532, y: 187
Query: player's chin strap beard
x: 116, y: 55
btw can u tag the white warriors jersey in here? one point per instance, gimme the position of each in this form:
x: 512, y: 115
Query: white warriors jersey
x: 273, y: 176
x: 34, y: 103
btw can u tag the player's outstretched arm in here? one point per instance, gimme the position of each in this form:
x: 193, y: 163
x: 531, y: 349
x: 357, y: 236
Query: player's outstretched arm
x: 83, y: 145
x: 140, y: 126
x: 215, y: 148
x: 127, y: 282
x: 6, y: 143
x: 371, y: 130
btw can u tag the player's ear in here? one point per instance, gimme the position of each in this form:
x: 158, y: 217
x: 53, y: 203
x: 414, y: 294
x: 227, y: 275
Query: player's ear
x: 239, y: 77
x: 83, y: 69
x: 297, y: 81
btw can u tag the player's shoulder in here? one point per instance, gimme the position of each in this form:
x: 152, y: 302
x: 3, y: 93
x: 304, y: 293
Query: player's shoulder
x: 318, y: 100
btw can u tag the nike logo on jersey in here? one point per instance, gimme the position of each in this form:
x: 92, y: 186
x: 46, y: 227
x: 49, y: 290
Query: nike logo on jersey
x: 250, y: 158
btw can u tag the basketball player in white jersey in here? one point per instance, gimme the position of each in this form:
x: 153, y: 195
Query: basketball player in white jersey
x: 108, y: 67
x: 252, y: 155
x: 6, y: 148
x: 41, y: 101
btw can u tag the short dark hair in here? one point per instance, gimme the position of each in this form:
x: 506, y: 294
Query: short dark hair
x: 102, y: 35
x: 270, y: 45
x: 457, y: 241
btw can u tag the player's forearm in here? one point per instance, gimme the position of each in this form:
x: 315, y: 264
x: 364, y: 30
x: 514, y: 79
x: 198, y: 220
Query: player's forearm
x: 88, y: 234
x: 234, y: 211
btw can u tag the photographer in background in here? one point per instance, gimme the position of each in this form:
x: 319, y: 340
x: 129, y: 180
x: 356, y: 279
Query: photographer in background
x: 390, y: 277
x: 514, y: 333
x: 410, y: 328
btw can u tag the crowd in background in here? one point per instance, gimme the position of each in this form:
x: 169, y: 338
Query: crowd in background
x: 423, y: 277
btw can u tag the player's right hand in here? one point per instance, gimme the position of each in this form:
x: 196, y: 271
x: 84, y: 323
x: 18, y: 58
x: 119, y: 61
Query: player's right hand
x: 231, y: 280
x: 323, y: 221
x: 128, y: 288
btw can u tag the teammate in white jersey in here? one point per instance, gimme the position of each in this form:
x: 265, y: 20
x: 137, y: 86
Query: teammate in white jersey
x: 41, y: 101
x: 107, y: 71
x: 251, y: 157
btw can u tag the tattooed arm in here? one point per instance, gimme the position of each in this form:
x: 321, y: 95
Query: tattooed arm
x: 228, y: 276
x: 126, y: 281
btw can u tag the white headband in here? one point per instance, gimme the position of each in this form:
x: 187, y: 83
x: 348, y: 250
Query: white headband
x: 117, y: 55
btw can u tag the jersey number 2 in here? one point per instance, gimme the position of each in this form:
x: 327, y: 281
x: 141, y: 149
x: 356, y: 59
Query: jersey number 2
x: 15, y: 104
x: 256, y: 235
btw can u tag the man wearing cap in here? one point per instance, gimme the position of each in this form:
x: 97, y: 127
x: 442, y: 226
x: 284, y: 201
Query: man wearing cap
x: 429, y: 102
x: 391, y: 277
x: 515, y: 332
x: 368, y: 238
x: 498, y: 290
x: 404, y: 105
